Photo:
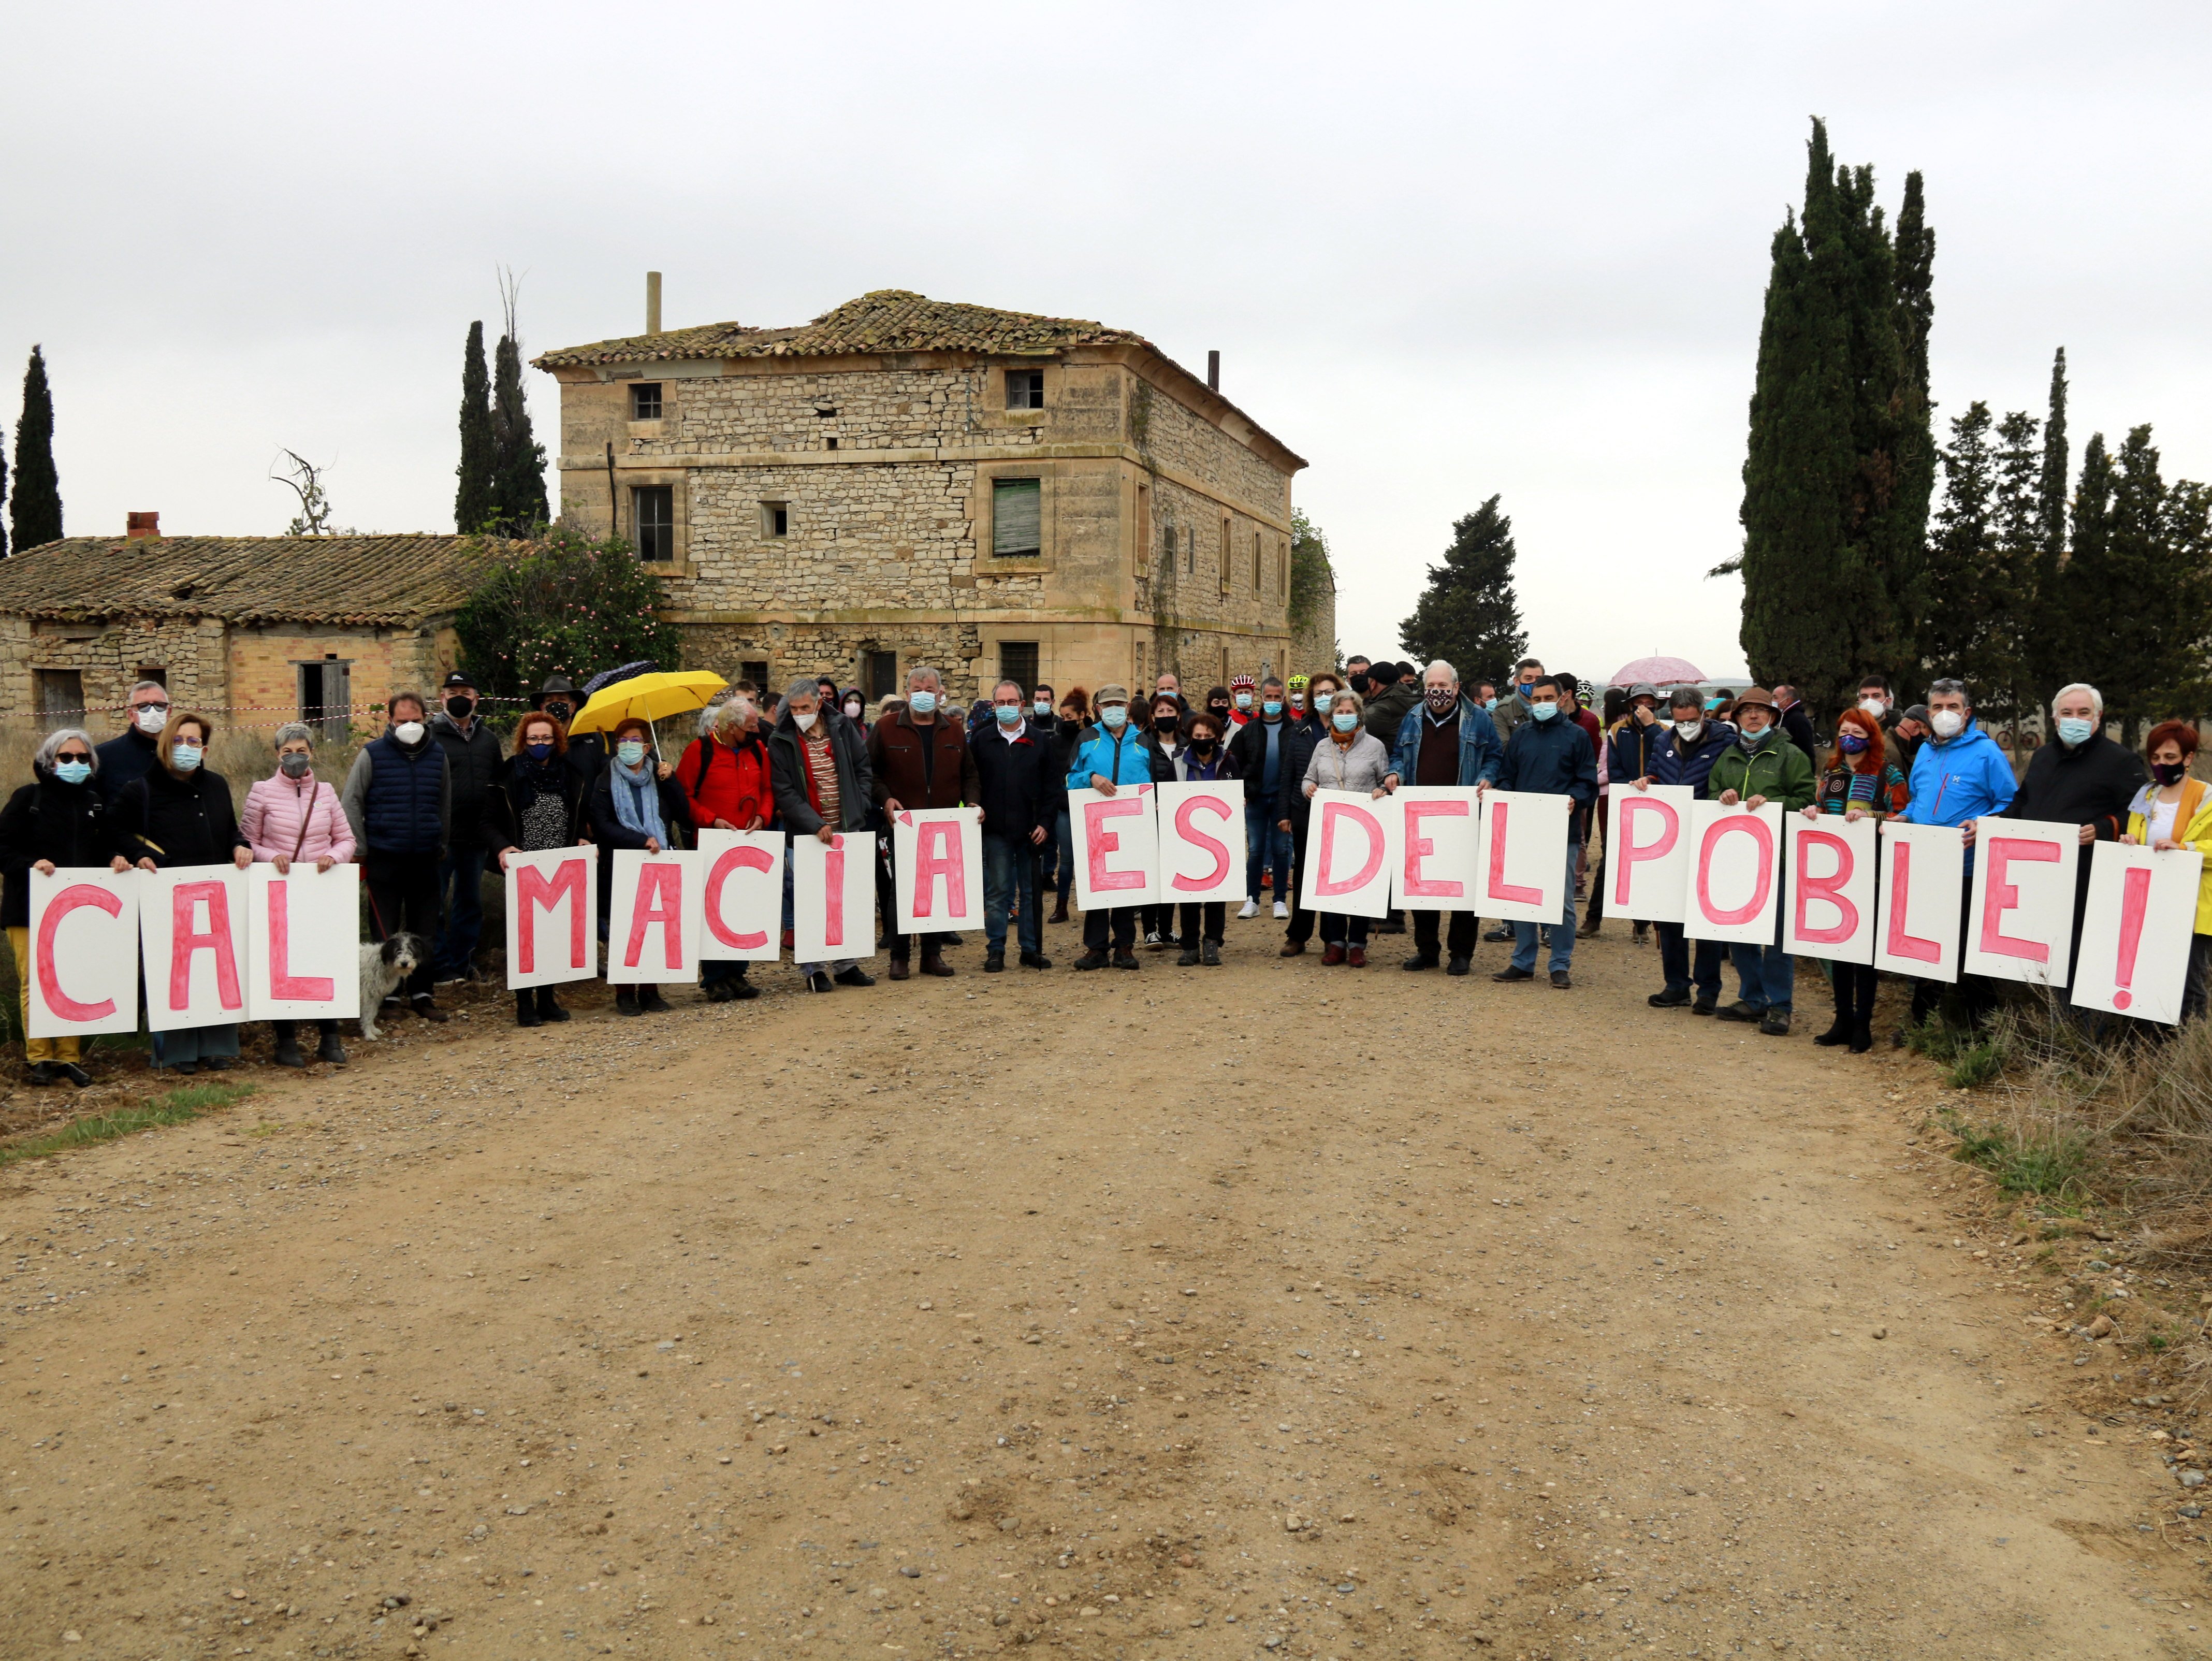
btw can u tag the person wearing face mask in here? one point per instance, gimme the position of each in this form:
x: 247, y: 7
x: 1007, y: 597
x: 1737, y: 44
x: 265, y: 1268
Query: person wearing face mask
x: 1257, y: 748
x: 819, y: 762
x: 179, y: 814
x: 472, y: 759
x: 1072, y: 727
x: 631, y: 805
x: 1684, y: 753
x: 853, y: 707
x: 1633, y: 741
x: 1762, y: 766
x: 1292, y: 815
x: 1222, y: 706
x: 58, y: 820
x: 1860, y: 783
x: 1514, y: 709
x: 291, y: 818
x: 1111, y: 757
x: 1549, y: 754
x: 1875, y: 700
x: 1294, y: 696
x: 1168, y: 684
x: 1243, y: 704
x: 132, y: 752
x: 919, y: 758
x: 1910, y: 730
x: 1347, y: 757
x: 1358, y: 674
x: 2083, y: 779
x: 536, y: 802
x: 1206, y: 759
x: 1016, y: 789
x: 1959, y: 775
x: 1451, y: 741
x: 398, y: 799
x: 1486, y: 694
x: 1162, y: 743
x: 584, y: 753
x: 725, y: 776
x: 2173, y: 814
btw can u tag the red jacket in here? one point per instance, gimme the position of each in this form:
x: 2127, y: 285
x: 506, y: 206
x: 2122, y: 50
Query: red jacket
x: 723, y: 783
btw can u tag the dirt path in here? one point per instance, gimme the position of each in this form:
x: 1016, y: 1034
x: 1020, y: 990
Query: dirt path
x: 1260, y: 1311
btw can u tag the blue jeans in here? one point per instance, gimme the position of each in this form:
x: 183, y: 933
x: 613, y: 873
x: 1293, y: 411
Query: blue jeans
x: 1010, y: 867
x: 460, y: 894
x: 1563, y: 932
x: 1767, y: 974
x: 1265, y: 848
x: 1675, y: 962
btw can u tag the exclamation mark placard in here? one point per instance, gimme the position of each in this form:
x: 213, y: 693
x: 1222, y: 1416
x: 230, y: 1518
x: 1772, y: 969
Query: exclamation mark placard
x: 2135, y: 901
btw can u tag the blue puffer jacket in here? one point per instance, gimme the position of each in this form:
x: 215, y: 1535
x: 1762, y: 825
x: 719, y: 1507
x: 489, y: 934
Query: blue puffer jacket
x: 1479, y: 753
x: 1672, y: 765
x: 1954, y: 779
x: 1123, y: 759
x: 403, y: 808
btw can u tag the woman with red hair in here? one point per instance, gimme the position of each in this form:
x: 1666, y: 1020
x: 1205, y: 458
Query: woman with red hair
x: 2172, y: 813
x: 1860, y: 782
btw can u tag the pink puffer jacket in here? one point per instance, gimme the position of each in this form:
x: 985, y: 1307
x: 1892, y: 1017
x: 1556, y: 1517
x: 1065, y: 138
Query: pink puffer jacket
x: 271, y: 820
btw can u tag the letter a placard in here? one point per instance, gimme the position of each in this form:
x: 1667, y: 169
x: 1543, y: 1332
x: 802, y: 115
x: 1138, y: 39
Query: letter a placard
x: 1916, y: 925
x: 302, y: 960
x: 1647, y: 852
x: 552, y: 916
x: 84, y: 974
x: 192, y: 935
x: 2020, y: 924
x: 1117, y: 853
x: 741, y: 895
x: 654, y: 918
x: 937, y: 868
x: 833, y: 898
x: 1828, y: 904
x: 2135, y: 935
x: 1202, y: 827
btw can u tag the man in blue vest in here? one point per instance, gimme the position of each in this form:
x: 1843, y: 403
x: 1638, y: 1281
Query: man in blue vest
x: 398, y: 798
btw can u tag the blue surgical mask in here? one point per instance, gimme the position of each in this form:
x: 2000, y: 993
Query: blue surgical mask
x: 72, y: 772
x: 1489, y: 704
x: 922, y: 703
x: 1244, y: 700
x: 1272, y: 708
x: 1009, y: 714
x: 630, y: 752
x: 1113, y: 715
x: 1344, y: 720
x: 1544, y: 710
x: 540, y: 752
x: 1526, y: 687
x: 2073, y: 729
x: 1042, y: 709
x: 187, y: 756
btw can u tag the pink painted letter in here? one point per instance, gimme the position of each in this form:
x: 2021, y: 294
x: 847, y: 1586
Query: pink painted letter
x: 49, y: 979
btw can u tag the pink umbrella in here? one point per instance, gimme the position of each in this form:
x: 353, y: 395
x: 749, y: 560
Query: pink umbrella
x: 1658, y: 671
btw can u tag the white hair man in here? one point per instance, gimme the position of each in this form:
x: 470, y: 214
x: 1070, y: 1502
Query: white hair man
x: 130, y: 754
x: 1449, y: 739
x: 917, y: 758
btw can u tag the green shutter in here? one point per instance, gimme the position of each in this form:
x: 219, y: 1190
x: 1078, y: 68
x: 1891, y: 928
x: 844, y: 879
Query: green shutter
x: 1016, y: 505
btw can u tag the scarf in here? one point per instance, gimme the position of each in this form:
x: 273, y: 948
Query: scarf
x: 637, y: 798
x: 534, y: 779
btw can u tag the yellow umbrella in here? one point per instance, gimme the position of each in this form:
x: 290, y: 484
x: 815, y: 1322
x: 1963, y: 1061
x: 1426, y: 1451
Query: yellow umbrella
x: 647, y: 697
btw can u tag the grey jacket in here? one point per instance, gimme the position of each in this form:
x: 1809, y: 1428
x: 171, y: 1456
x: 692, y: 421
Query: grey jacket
x: 1362, y: 768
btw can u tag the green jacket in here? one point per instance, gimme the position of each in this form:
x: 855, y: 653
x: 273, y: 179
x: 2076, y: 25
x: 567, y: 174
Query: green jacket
x: 1778, y: 770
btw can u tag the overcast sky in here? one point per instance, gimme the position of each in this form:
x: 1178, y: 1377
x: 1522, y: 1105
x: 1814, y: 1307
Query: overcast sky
x: 1444, y: 252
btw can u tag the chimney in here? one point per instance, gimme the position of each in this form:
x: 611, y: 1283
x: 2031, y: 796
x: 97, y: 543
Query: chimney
x: 653, y: 303
x: 144, y: 524
x: 1213, y: 372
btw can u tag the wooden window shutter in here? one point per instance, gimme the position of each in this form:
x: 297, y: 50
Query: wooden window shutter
x: 1017, y: 517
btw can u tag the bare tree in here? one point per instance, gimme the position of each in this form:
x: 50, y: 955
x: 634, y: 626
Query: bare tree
x: 305, y: 480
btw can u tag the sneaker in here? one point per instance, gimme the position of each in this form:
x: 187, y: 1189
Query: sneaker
x: 1776, y: 1024
x: 1281, y: 910
x: 1035, y: 960
x: 855, y: 975
x: 994, y: 963
x: 1209, y: 954
x: 1153, y: 940
x: 1418, y: 960
x: 1500, y: 935
x: 1125, y: 959
x: 1189, y: 958
x: 1509, y: 973
x: 1459, y: 965
x: 1741, y: 1011
x: 1674, y: 997
x: 1562, y: 980
x: 1093, y: 958
x: 819, y: 981
x: 1251, y: 909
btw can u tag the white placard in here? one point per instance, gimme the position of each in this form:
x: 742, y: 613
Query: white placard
x: 1916, y: 930
x: 1832, y: 872
x: 1439, y: 857
x: 1647, y: 852
x: 2136, y: 935
x: 84, y: 957
x: 833, y: 898
x: 2021, y: 926
x: 191, y: 935
x: 741, y: 895
x: 1524, y: 856
x: 654, y: 918
x: 1116, y: 847
x: 303, y: 953
x: 552, y: 916
x: 1201, y: 831
x: 937, y: 868
x: 1351, y: 844
x: 1735, y: 872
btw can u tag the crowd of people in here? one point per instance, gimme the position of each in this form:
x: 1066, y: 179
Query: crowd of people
x: 437, y: 798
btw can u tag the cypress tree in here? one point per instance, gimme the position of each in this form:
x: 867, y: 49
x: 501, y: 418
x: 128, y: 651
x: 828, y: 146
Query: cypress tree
x: 1840, y: 462
x: 35, y: 510
x: 2047, y: 625
x: 1468, y: 615
x: 4, y: 496
x: 1915, y: 281
x: 517, y: 479
x: 472, y: 499
x: 1963, y: 543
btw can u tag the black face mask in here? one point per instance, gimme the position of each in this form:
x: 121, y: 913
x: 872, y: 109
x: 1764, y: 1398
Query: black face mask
x: 1221, y: 710
x: 1360, y: 684
x: 1164, y: 726
x: 1203, y: 746
x: 460, y: 708
x: 560, y: 710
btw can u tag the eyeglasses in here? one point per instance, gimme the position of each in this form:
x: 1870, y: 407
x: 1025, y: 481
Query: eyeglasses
x: 162, y: 704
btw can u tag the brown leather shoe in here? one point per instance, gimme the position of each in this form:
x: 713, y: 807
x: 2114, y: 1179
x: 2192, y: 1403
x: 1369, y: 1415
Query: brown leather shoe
x: 1059, y: 912
x: 1292, y: 949
x: 933, y: 962
x: 899, y: 971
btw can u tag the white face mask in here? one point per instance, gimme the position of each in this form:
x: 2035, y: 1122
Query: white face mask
x: 1946, y: 723
x: 151, y: 721
x: 851, y: 708
x: 408, y: 732
x: 1689, y: 729
x: 805, y: 722
x: 1874, y: 707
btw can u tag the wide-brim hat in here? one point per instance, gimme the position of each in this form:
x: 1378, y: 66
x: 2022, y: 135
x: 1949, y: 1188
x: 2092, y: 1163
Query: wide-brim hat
x: 556, y: 683
x: 1759, y: 695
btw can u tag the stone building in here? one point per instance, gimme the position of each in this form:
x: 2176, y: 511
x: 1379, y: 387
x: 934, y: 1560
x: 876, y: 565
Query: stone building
x: 265, y: 630
x: 905, y: 480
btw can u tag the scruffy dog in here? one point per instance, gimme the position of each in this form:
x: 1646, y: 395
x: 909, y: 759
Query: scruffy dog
x: 384, y: 966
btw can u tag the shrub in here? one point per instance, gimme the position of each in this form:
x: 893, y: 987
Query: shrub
x: 562, y: 602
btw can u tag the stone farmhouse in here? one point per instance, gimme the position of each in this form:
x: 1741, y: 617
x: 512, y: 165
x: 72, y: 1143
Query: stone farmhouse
x: 263, y: 630
x: 907, y: 481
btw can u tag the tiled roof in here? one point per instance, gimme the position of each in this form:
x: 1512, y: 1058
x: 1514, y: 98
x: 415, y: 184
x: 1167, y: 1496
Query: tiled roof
x: 888, y: 320
x: 379, y: 581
